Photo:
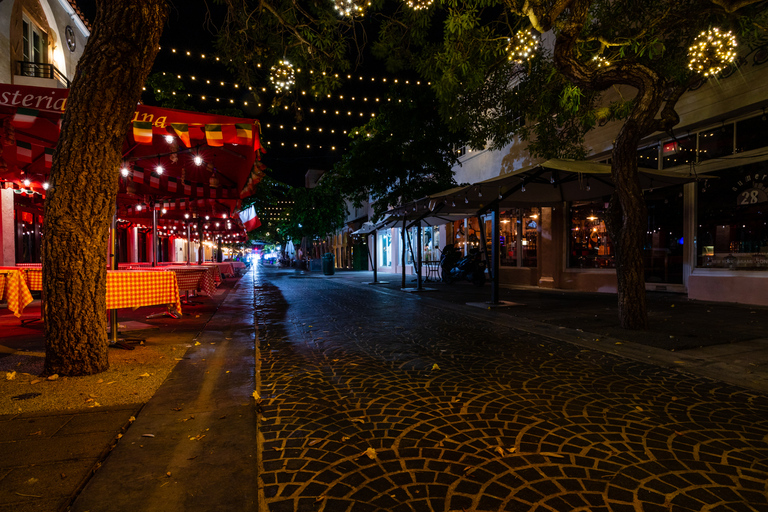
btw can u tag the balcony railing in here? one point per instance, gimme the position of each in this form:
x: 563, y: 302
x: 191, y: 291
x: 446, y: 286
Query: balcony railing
x: 40, y: 70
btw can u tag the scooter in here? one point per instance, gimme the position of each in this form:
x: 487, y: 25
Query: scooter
x: 471, y: 268
x: 449, y: 257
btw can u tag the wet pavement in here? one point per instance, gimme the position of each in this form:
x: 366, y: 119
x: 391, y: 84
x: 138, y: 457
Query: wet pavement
x: 377, y: 400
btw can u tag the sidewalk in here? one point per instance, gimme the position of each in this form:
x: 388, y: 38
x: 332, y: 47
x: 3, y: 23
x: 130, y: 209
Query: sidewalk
x: 50, y: 455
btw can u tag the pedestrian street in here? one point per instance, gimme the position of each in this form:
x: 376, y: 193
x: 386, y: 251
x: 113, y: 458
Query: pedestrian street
x: 377, y: 400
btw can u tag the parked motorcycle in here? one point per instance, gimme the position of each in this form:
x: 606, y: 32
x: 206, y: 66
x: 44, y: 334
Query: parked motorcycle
x: 449, y: 257
x: 470, y: 267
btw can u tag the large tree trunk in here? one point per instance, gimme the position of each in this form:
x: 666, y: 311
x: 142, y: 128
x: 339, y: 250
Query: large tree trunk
x: 84, y: 181
x: 626, y: 224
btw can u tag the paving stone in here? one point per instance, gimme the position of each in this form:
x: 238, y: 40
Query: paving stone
x: 590, y: 430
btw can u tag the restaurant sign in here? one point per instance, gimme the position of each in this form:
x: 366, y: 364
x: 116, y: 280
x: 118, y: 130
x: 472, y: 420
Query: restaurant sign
x: 751, y: 189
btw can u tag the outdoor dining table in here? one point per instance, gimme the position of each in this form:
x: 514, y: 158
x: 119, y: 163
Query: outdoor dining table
x: 14, y: 289
x: 137, y: 288
x: 218, y: 271
x: 195, y: 278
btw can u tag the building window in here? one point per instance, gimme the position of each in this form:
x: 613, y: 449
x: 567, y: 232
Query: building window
x: 385, y: 248
x: 663, y: 249
x: 733, y: 219
x: 648, y: 158
x: 716, y: 143
x: 752, y: 133
x: 34, y: 46
x: 680, y: 151
x: 589, y: 243
x: 518, y: 237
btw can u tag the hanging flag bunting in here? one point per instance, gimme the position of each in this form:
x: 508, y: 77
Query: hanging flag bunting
x: 182, y: 131
x: 172, y: 184
x: 138, y: 176
x: 154, y: 181
x: 23, y: 151
x: 187, y: 189
x: 214, y: 135
x: 24, y: 117
x: 244, y: 134
x: 250, y: 219
x: 142, y: 132
x: 48, y: 157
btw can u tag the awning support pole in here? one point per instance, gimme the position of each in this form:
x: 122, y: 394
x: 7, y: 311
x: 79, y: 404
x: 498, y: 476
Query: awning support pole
x: 495, y: 280
x: 418, y: 255
x: 155, y: 241
x: 402, y: 254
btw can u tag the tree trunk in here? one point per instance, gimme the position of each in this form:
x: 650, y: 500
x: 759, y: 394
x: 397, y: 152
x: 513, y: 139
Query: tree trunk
x: 626, y: 224
x: 84, y: 181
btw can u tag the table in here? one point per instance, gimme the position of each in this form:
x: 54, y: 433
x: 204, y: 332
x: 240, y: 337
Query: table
x: 433, y: 270
x: 137, y: 288
x: 189, y: 277
x: 13, y: 288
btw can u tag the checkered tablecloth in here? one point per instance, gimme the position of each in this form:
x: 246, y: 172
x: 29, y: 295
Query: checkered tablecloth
x: 136, y: 288
x: 34, y: 277
x: 195, y: 278
x: 225, y: 269
x: 14, y: 290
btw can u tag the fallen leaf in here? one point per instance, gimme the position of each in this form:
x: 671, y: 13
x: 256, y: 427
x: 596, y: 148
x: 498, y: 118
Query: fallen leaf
x: 168, y: 474
x: 53, y: 377
x: 511, y: 450
x: 99, y: 381
x: 131, y: 419
x: 619, y: 343
x: 639, y: 408
x: 31, y: 481
x: 256, y: 395
x: 320, y: 498
x: 197, y: 343
x: 197, y: 437
x: 435, y: 367
x: 551, y: 454
x: 147, y: 435
x: 10, y: 375
x: 371, y: 453
x: 454, y: 399
x: 314, y: 442
x: 277, y: 449
x: 359, y: 420
x: 500, y: 450
x: 111, y: 382
x: 344, y: 438
x: 144, y: 375
x: 38, y: 433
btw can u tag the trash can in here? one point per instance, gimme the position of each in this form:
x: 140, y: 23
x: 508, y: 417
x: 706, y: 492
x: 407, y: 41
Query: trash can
x: 328, y: 264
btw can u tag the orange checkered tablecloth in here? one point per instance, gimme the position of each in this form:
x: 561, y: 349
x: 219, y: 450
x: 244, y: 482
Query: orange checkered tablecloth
x: 34, y: 277
x: 189, y: 277
x: 13, y: 288
x: 137, y: 288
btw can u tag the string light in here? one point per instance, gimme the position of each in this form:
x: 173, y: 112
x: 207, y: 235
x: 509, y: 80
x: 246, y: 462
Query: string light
x: 282, y: 76
x: 711, y: 52
x: 351, y: 8
x: 520, y: 48
x: 418, y: 4
x: 600, y: 61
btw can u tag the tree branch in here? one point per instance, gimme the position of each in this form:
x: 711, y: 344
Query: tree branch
x: 731, y: 6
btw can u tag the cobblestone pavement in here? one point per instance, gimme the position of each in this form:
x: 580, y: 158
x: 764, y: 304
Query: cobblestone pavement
x: 373, y: 401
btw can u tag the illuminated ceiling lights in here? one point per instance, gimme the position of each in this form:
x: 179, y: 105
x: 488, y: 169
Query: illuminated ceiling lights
x: 521, y: 47
x: 418, y: 4
x: 351, y: 8
x: 282, y: 76
x: 711, y: 52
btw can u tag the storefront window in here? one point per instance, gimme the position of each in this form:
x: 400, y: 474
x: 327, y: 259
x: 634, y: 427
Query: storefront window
x: 663, y: 249
x: 648, y: 158
x: 733, y: 219
x: 589, y: 244
x: 752, y: 133
x: 518, y: 237
x: 385, y: 248
x: 681, y: 151
x: 716, y: 143
x: 430, y: 243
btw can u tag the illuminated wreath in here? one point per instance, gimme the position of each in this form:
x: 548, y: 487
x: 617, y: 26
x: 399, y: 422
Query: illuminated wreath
x: 281, y: 76
x: 418, y: 4
x: 521, y: 47
x: 351, y: 8
x: 711, y: 52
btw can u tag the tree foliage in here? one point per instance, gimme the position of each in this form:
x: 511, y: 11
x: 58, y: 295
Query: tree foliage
x: 404, y: 153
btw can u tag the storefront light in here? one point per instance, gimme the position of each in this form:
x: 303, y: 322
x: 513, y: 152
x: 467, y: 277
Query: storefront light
x: 159, y: 169
x: 198, y: 160
x: 169, y: 139
x: 46, y: 185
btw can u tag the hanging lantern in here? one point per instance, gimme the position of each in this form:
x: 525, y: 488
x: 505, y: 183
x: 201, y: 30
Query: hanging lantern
x: 711, y: 52
x: 418, y: 4
x: 521, y: 47
x: 351, y: 8
x: 281, y: 76
x: 600, y: 61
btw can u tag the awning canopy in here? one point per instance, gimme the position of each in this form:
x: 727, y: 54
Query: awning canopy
x: 168, y: 155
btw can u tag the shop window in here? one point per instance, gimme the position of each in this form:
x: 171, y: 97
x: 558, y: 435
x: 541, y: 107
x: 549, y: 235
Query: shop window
x: 752, y: 133
x: 680, y: 151
x: 589, y: 243
x: 430, y: 243
x: 733, y: 219
x: 716, y: 143
x: 385, y: 248
x: 663, y: 249
x: 648, y: 158
x: 29, y: 235
x: 519, y: 237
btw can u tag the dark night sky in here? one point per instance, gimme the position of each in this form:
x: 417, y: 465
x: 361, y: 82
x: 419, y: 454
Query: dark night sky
x: 288, y: 156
